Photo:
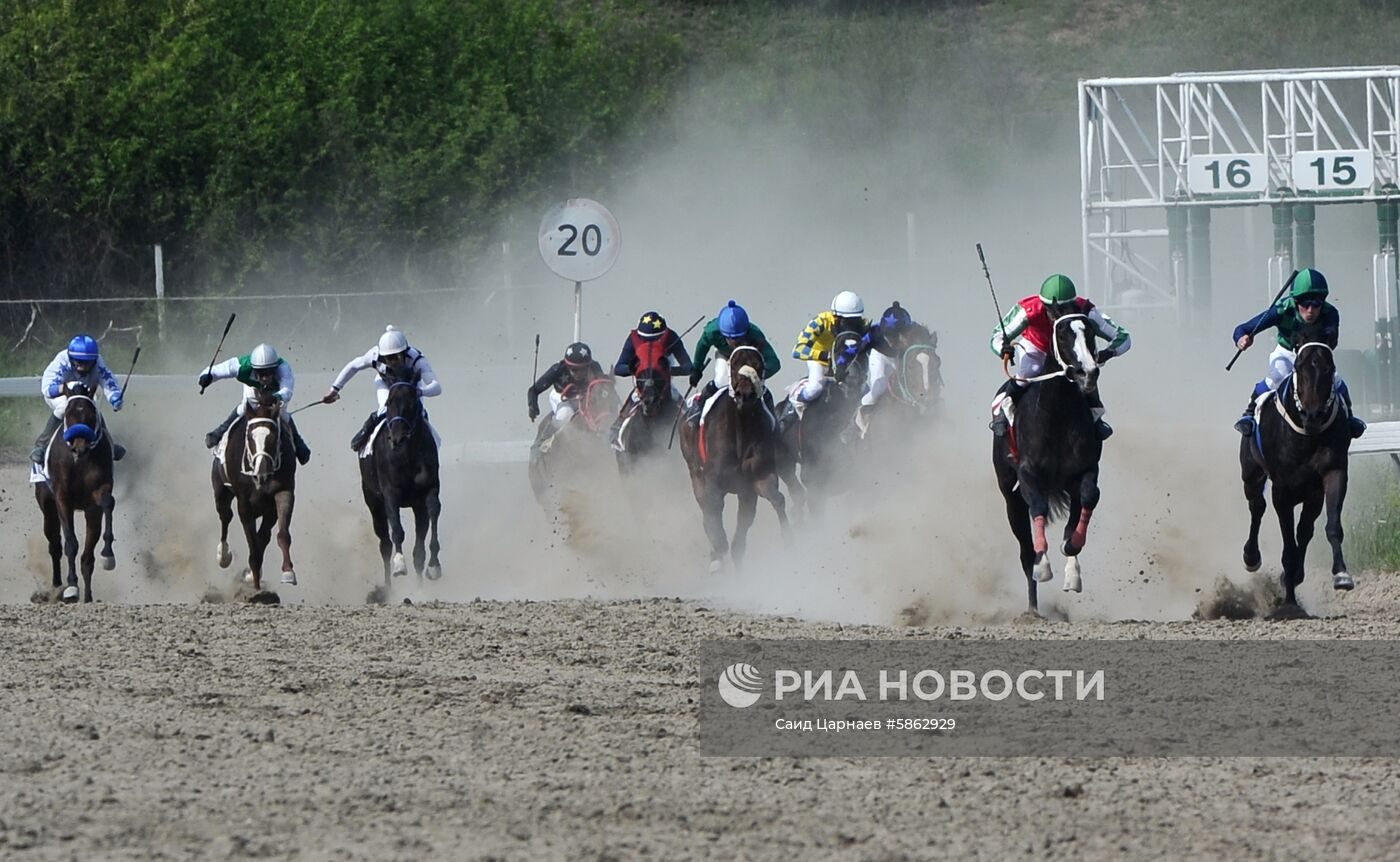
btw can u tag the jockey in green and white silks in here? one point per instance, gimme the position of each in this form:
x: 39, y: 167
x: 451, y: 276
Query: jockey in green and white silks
x: 1305, y: 305
x: 263, y: 374
x: 80, y: 362
x: 393, y: 361
x: 1029, y: 329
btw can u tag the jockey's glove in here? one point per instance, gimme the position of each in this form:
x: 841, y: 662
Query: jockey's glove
x: 1008, y: 352
x: 696, y: 375
x: 116, y: 403
x: 205, y: 379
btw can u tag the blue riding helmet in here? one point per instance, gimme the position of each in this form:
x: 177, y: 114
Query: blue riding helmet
x: 733, y: 320
x: 83, y: 348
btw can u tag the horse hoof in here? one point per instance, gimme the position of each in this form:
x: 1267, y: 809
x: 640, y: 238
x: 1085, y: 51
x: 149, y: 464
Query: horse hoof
x: 1042, y: 569
x: 397, y: 567
x: 1342, y: 581
x: 434, y: 573
x: 1073, y: 583
x: 70, y: 596
x: 289, y: 577
x: 108, y: 563
x: 222, y: 555
x: 716, y: 566
x: 377, y: 596
x: 1251, y: 567
x: 264, y: 597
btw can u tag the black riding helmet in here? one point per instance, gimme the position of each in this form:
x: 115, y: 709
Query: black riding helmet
x: 578, y: 354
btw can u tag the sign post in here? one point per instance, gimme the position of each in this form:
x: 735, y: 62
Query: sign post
x: 580, y: 241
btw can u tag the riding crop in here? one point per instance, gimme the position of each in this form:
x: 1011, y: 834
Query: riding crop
x: 684, y: 398
x: 1277, y: 297
x: 135, y: 356
x: 227, y: 327
x: 1001, y: 321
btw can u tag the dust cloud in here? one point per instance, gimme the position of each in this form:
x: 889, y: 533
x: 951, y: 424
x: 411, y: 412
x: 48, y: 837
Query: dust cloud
x: 779, y: 219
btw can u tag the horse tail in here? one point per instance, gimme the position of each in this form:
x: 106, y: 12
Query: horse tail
x: 1059, y: 504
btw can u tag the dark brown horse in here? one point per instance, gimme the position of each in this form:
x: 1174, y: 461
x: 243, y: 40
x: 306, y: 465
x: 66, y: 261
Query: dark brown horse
x: 1300, y: 445
x: 734, y: 451
x: 570, y: 451
x: 401, y: 471
x: 647, y: 417
x: 1048, y: 465
x: 259, y: 472
x: 79, y: 465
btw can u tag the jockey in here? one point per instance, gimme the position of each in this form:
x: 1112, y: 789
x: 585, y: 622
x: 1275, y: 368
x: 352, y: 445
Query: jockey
x: 1029, y: 329
x: 393, y: 361
x: 814, y: 346
x: 883, y: 342
x: 263, y: 374
x: 567, y: 381
x: 650, y: 345
x: 1305, y: 305
x: 730, y: 329
x: 81, y: 363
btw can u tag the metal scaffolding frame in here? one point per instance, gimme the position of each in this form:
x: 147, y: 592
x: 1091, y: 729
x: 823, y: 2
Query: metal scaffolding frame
x: 1192, y: 141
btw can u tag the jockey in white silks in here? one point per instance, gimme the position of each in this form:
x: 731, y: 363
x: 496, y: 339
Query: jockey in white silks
x: 394, y: 361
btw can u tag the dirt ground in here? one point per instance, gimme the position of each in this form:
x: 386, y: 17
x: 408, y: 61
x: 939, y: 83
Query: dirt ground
x: 566, y: 729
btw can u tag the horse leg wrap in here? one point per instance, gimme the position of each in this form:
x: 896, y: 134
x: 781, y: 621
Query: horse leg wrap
x: 1081, y: 530
x: 1038, y: 525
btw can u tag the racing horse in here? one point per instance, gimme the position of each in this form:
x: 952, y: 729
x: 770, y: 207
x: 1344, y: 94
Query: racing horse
x: 577, y: 444
x: 1300, y: 445
x: 1047, y: 464
x: 733, y: 450
x: 79, y: 479
x: 813, y: 443
x: 401, y: 471
x: 258, y: 471
x: 913, y: 397
x: 646, y: 417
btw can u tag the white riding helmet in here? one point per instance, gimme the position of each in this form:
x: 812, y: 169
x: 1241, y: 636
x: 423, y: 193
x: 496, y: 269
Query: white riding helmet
x: 392, y: 341
x: 264, y: 356
x: 848, y: 304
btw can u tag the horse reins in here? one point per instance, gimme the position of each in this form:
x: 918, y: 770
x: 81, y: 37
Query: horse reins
x: 97, y: 430
x: 1054, y: 347
x: 250, y: 461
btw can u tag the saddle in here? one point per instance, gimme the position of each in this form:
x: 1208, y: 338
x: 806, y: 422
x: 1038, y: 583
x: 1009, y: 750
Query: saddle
x: 367, y: 450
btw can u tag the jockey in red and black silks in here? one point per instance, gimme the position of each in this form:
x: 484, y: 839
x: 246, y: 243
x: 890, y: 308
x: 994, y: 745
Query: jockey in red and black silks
x: 652, y: 346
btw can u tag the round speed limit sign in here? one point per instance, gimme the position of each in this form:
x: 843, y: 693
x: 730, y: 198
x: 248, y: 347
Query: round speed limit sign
x: 580, y: 239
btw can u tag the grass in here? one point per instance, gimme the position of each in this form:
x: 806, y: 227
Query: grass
x: 1372, y: 515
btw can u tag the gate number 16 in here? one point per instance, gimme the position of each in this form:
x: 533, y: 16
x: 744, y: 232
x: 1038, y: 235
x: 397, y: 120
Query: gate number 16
x: 1236, y: 173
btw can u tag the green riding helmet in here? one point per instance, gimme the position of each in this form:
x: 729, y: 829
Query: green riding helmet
x: 1310, y: 283
x: 1057, y: 290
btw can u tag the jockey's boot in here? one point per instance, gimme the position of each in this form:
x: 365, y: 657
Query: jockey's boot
x: 615, y: 432
x: 213, y: 437
x: 999, y: 424
x: 697, y: 404
x: 118, y: 450
x: 1245, y: 424
x: 1096, y: 409
x: 1354, y: 422
x: 303, y: 451
x: 791, y: 416
x: 362, y: 436
x: 41, y: 443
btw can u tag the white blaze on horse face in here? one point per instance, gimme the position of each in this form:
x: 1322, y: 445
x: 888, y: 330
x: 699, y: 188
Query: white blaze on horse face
x: 260, y: 449
x: 1081, y: 347
x: 923, y: 358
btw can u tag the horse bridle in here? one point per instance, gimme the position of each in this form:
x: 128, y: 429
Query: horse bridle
x: 903, y: 393
x: 1331, y: 405
x: 1054, y: 348
x: 735, y: 369
x: 412, y: 423
x: 96, y: 431
x: 250, y: 461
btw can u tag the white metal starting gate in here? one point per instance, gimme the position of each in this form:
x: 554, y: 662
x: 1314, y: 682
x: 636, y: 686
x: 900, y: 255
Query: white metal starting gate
x: 1185, y: 143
